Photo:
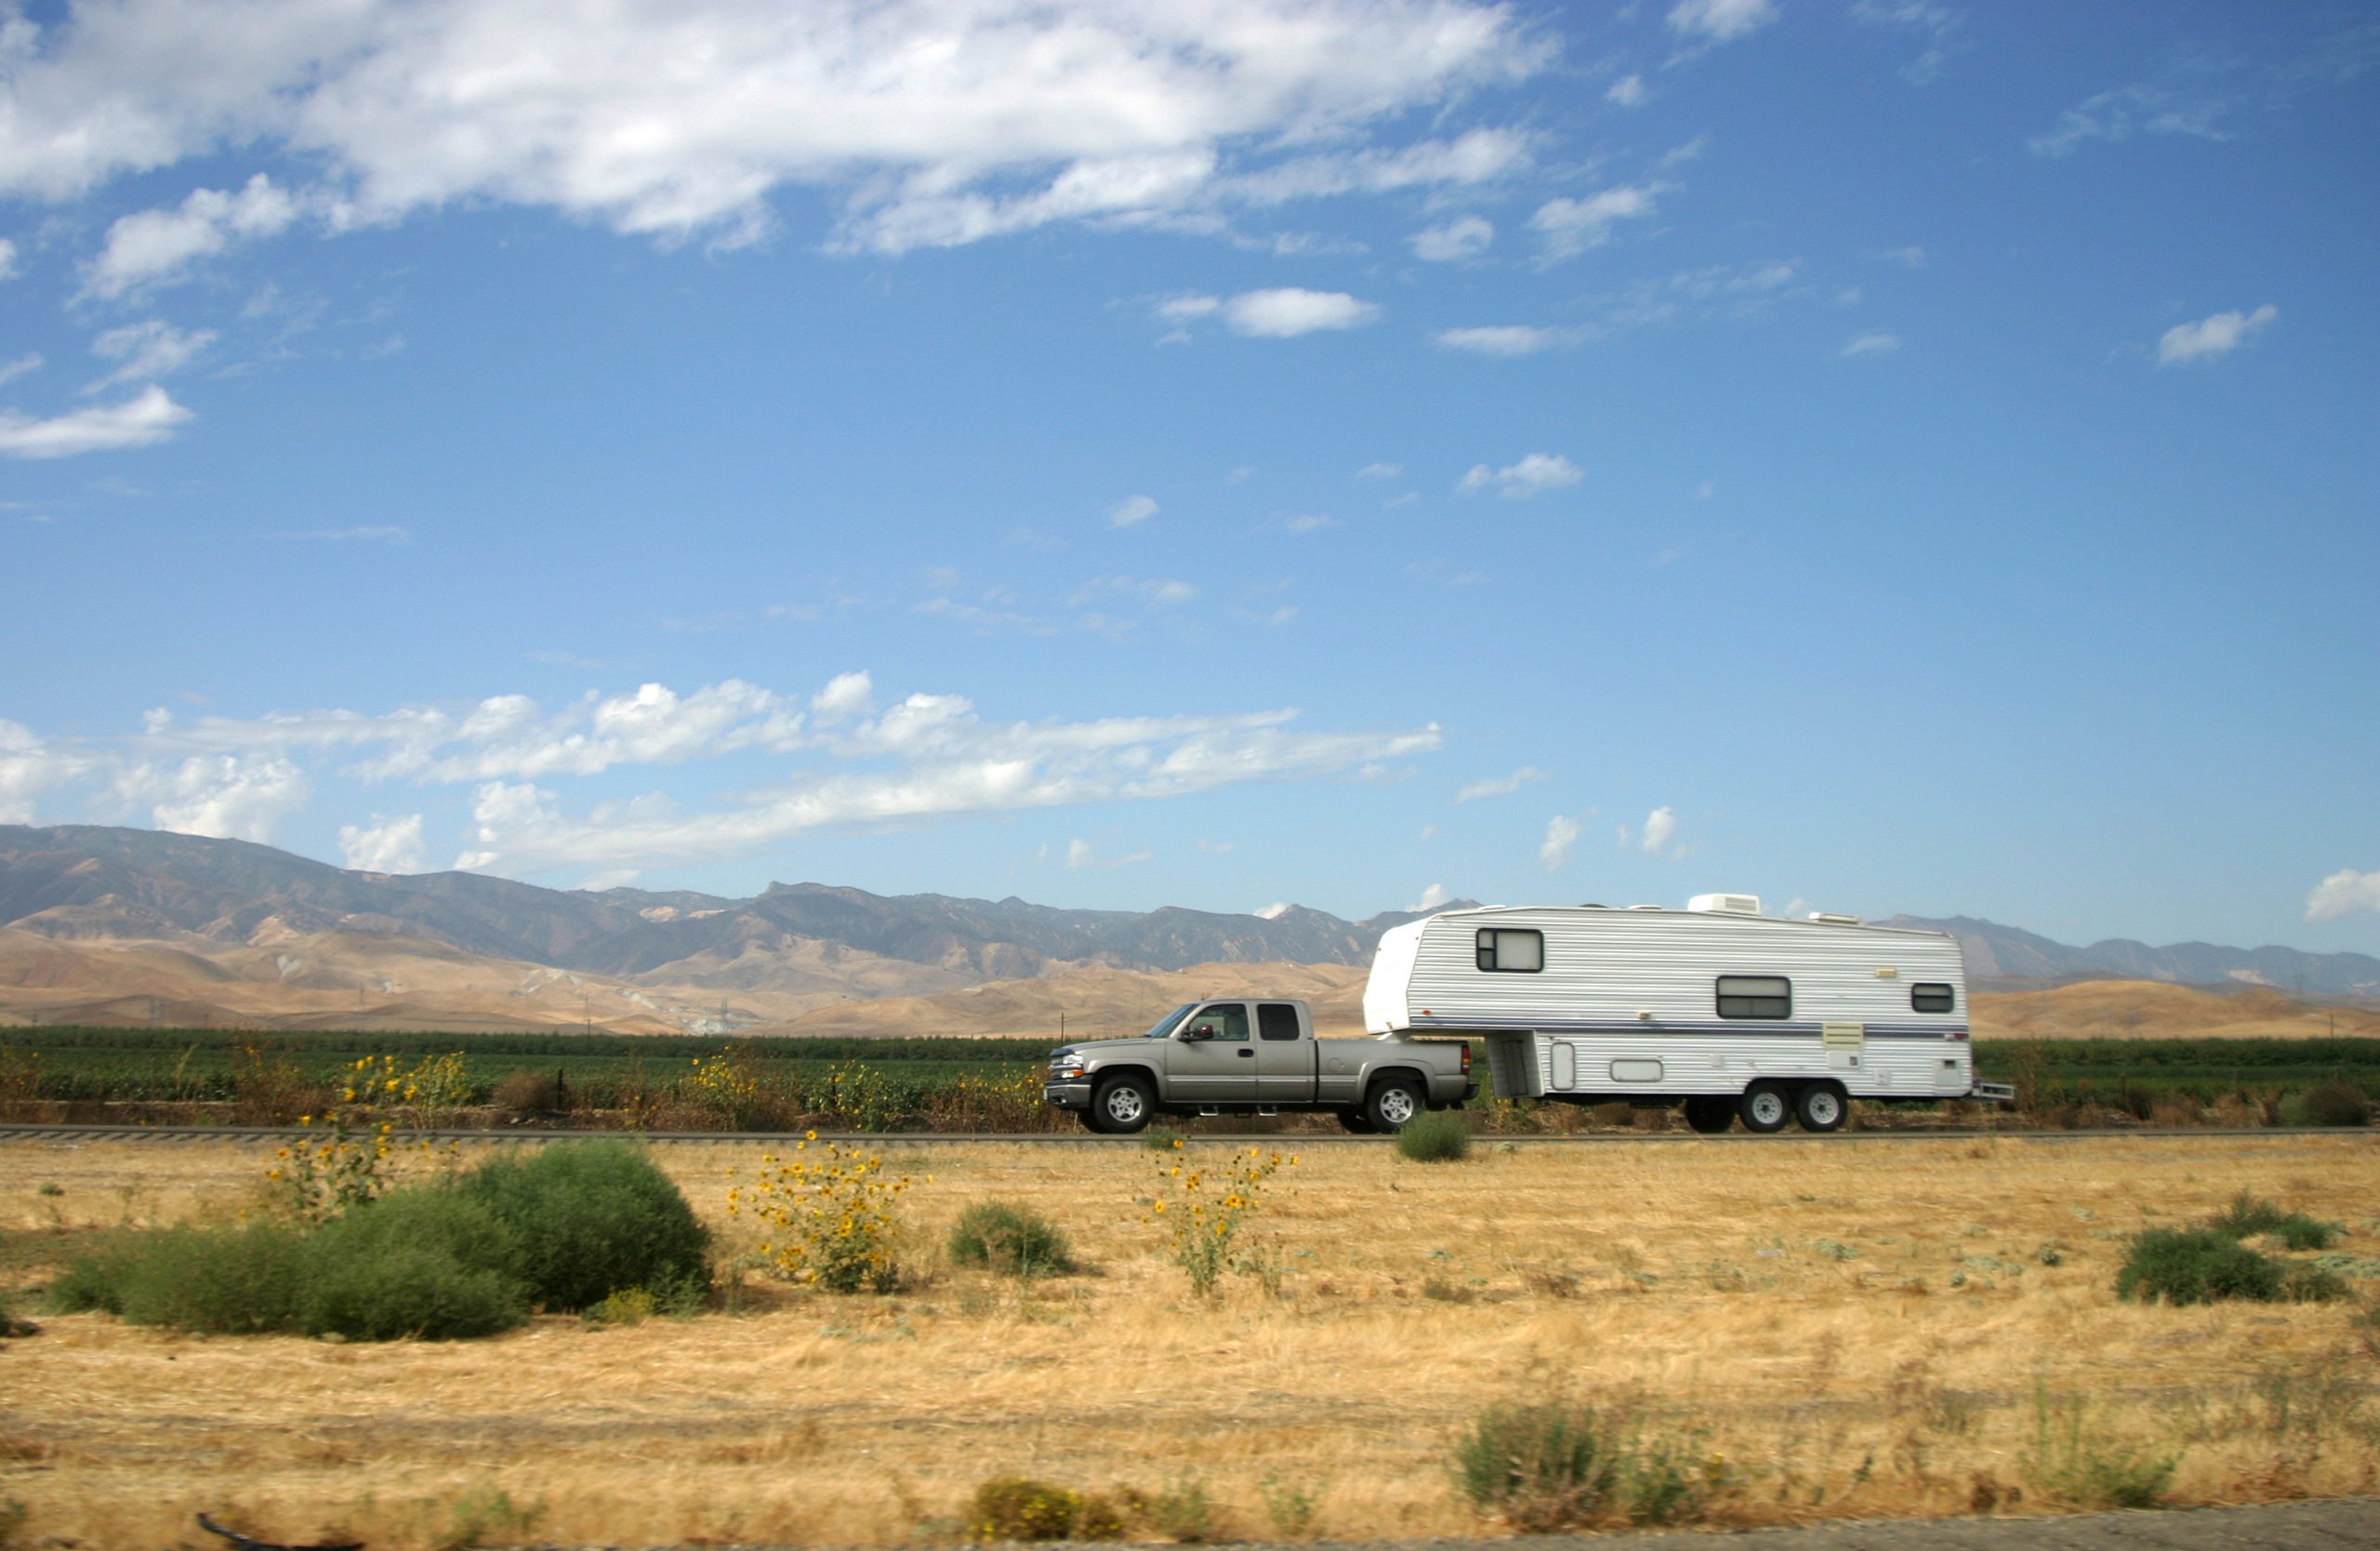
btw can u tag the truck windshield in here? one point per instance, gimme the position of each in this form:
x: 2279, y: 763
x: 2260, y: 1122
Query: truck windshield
x: 1164, y: 1025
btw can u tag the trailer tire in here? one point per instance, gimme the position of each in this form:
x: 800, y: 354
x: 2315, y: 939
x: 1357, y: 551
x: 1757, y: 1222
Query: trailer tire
x: 1766, y: 1107
x: 1121, y: 1106
x: 1710, y: 1115
x: 1821, y: 1107
x: 1356, y: 1122
x: 1394, y: 1104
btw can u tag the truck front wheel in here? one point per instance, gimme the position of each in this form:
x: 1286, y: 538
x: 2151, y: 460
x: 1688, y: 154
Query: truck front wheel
x: 1121, y: 1106
x: 1392, y: 1105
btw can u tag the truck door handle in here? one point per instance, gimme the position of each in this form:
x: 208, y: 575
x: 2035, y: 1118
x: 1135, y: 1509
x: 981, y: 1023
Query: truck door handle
x: 1248, y: 1055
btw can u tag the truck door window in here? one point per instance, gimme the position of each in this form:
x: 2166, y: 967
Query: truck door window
x: 1756, y: 995
x: 1925, y: 997
x: 1228, y: 1020
x: 1511, y: 952
x: 1277, y: 1020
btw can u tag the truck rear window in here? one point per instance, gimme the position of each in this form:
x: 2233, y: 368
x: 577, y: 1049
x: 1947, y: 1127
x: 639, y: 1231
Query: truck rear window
x: 1277, y: 1020
x: 1511, y: 952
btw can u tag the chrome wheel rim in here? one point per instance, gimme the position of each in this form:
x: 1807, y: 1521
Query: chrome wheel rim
x: 1396, y: 1106
x: 1124, y: 1103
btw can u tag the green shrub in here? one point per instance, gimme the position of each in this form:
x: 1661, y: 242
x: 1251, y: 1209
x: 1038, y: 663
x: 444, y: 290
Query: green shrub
x: 2313, y: 1284
x: 1184, y: 1513
x: 1537, y: 1467
x: 1441, y: 1137
x: 2247, y: 1216
x: 1009, y: 1239
x: 2195, y: 1265
x: 2336, y: 1104
x: 2072, y: 1460
x: 427, y: 1262
x: 1011, y: 1507
x: 1161, y: 1138
x: 585, y: 1219
x: 210, y: 1281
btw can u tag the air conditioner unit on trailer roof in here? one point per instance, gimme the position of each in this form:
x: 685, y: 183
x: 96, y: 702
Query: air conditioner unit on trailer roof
x: 1725, y: 904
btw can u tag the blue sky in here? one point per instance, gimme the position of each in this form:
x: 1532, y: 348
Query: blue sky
x: 1884, y: 454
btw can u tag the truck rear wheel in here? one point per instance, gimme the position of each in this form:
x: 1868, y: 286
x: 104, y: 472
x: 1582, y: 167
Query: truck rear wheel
x: 1121, y: 1106
x: 1710, y: 1115
x: 1765, y: 1108
x: 1393, y: 1104
x: 1820, y: 1108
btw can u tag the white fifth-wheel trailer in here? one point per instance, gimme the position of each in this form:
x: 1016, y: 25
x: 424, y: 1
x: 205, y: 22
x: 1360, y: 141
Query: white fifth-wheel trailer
x: 1718, y: 1008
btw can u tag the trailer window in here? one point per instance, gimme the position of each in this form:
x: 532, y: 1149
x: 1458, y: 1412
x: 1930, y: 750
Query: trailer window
x: 1511, y: 952
x: 1277, y: 1020
x: 1925, y: 997
x: 1756, y: 995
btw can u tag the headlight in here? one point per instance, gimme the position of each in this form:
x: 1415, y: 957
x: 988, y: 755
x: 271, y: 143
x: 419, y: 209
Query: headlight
x: 1067, y: 1072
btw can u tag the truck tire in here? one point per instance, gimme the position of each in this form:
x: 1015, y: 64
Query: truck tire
x: 1765, y: 1108
x: 1121, y: 1106
x: 1710, y: 1114
x: 1821, y: 1107
x: 1354, y: 1120
x: 1394, y: 1104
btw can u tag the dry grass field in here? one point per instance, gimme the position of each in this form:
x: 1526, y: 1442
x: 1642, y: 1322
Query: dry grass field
x: 1856, y: 1326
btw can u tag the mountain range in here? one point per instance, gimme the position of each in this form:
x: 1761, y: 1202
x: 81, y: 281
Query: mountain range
x: 109, y: 925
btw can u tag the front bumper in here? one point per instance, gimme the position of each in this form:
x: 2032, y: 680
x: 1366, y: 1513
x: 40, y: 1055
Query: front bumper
x: 1066, y: 1096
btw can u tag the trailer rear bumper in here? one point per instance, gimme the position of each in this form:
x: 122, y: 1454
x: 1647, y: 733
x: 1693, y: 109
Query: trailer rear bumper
x: 1993, y: 1093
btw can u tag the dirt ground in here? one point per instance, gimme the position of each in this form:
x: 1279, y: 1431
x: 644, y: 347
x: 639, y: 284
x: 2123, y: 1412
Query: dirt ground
x: 1840, y: 1328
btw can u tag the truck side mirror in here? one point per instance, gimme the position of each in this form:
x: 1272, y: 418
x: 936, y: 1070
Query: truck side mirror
x: 1203, y: 1031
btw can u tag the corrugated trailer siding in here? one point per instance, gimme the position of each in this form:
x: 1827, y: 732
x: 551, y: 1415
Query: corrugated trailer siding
x: 1603, y: 967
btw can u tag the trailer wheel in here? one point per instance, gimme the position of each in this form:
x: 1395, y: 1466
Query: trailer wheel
x: 1121, y: 1106
x: 1765, y: 1108
x: 1710, y: 1115
x: 1392, y: 1104
x: 1356, y: 1122
x: 1821, y: 1107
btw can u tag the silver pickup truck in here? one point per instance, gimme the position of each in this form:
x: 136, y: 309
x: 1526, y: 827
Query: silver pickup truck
x: 1254, y: 1057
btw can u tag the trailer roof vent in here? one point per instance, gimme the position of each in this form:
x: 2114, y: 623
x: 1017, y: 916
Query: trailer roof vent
x: 1829, y: 918
x: 1648, y: 907
x: 1725, y: 904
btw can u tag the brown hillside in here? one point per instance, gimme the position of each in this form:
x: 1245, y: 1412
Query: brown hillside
x: 2149, y: 1009
x: 1095, y: 1002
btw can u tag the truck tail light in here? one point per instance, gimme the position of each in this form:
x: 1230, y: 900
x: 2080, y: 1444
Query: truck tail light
x: 1466, y: 1057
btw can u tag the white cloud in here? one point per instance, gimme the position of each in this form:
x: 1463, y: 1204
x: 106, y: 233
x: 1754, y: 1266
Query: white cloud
x: 1561, y: 834
x: 1532, y: 475
x: 1464, y: 238
x: 1935, y: 23
x: 1274, y: 911
x: 1500, y: 786
x: 229, y: 796
x: 2143, y: 108
x: 24, y: 365
x: 1911, y: 256
x: 846, y: 696
x: 371, y: 533
x: 1287, y: 311
x: 2210, y: 338
x: 1151, y: 592
x: 2343, y: 892
x: 1720, y: 20
x: 1629, y: 91
x: 384, y: 845
x: 1568, y: 227
x: 146, y: 417
x: 929, y: 123
x: 1082, y: 854
x: 1506, y: 340
x: 7, y: 259
x: 155, y: 247
x: 1381, y: 471
x: 146, y: 351
x: 1661, y: 828
x: 29, y: 770
x: 1868, y: 344
x: 1130, y: 511
x: 1431, y: 897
